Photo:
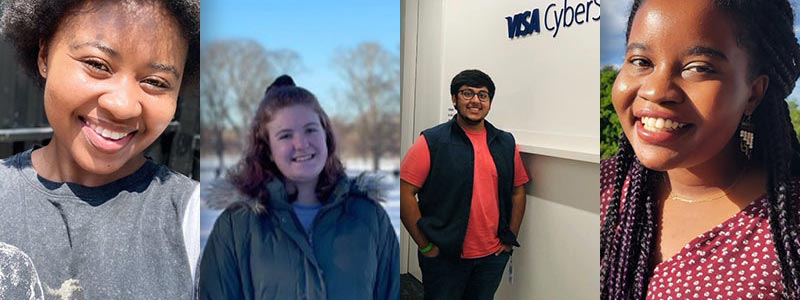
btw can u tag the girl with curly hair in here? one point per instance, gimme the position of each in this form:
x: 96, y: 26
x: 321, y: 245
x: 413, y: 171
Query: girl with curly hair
x: 295, y: 226
x: 97, y: 218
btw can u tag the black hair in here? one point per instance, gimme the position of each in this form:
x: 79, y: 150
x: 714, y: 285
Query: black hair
x: 473, y: 78
x: 627, y: 238
x: 25, y: 23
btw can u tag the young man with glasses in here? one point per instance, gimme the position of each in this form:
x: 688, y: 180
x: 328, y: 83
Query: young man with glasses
x: 469, y: 179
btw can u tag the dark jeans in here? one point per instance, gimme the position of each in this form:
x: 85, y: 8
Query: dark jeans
x: 448, y: 278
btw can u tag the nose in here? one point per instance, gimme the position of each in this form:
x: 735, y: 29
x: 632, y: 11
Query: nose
x: 660, y: 86
x: 300, y: 141
x: 122, y: 99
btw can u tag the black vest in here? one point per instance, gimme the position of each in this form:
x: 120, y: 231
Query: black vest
x: 446, y: 195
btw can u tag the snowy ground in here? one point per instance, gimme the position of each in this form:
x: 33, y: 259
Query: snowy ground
x: 390, y: 184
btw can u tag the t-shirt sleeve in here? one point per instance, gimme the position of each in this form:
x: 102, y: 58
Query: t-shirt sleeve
x: 417, y: 162
x: 520, y: 175
x: 191, y: 229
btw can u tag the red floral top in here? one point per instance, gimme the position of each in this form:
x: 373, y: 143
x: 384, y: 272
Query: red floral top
x: 734, y: 260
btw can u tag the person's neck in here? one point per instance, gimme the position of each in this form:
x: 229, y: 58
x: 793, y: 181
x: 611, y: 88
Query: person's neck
x: 470, y: 125
x: 306, y: 192
x: 56, y: 164
x: 717, y: 174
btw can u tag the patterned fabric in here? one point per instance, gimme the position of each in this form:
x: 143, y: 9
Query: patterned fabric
x: 734, y: 260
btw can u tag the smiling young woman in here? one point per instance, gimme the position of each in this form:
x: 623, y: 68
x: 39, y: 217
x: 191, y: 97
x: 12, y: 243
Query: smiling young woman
x: 703, y: 192
x: 295, y: 226
x: 98, y: 219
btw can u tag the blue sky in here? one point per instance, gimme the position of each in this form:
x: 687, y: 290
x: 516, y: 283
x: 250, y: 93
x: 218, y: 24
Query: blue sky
x: 612, y: 33
x: 313, y: 29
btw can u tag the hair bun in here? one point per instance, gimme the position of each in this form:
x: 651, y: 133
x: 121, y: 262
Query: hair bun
x: 283, y: 80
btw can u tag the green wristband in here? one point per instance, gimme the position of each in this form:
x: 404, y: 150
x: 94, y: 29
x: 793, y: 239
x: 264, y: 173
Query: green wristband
x: 426, y: 248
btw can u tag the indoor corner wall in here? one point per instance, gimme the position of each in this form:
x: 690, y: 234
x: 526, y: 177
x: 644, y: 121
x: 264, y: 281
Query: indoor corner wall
x: 560, y: 253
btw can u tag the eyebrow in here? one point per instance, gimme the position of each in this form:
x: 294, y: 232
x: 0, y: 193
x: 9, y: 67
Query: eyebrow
x: 707, y: 51
x: 694, y: 50
x: 309, y: 124
x: 113, y: 53
x: 96, y: 44
x: 167, y: 68
x: 636, y: 46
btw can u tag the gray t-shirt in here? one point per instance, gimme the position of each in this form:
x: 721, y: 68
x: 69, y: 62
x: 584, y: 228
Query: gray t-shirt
x: 121, y: 240
x: 18, y: 278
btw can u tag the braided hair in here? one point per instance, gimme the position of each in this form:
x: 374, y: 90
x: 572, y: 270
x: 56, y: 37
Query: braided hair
x: 627, y: 237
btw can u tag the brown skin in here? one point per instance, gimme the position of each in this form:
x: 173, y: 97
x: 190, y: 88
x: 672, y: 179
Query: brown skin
x: 471, y: 115
x: 472, y: 112
x: 116, y: 65
x: 683, y: 63
x: 409, y: 214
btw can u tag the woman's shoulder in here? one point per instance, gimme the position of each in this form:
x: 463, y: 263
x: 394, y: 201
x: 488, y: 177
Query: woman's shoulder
x: 364, y: 197
x: 365, y: 190
x: 222, y: 194
x: 172, y: 181
x: 10, y: 166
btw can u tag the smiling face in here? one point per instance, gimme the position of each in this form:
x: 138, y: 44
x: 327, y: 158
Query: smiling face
x: 471, y: 111
x: 684, y: 84
x: 113, y: 72
x: 297, y: 143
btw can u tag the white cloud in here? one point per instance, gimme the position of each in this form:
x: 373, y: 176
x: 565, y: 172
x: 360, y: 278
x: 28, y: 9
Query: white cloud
x: 612, y: 30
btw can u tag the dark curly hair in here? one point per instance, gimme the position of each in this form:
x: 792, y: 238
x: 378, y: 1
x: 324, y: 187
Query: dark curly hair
x: 256, y: 168
x: 627, y: 237
x: 25, y: 23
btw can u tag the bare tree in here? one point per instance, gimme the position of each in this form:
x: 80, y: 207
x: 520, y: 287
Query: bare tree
x: 372, y: 74
x: 234, y: 76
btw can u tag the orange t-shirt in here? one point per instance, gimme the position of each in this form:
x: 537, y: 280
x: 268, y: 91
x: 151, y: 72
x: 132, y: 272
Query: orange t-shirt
x: 481, y: 236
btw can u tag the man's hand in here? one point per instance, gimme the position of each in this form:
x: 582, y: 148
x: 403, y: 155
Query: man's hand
x: 504, y: 248
x: 434, y: 252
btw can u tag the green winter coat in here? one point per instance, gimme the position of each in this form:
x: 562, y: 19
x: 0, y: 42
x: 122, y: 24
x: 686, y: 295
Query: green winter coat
x: 351, y: 253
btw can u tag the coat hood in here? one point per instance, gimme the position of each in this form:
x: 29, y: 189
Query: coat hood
x: 222, y: 194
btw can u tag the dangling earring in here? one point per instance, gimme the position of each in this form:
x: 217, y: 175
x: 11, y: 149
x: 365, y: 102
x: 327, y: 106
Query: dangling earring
x: 746, y: 135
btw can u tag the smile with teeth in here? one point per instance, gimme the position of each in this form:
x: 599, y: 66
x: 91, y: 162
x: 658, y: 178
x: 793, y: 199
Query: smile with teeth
x: 107, y: 133
x: 303, y: 158
x: 660, y: 124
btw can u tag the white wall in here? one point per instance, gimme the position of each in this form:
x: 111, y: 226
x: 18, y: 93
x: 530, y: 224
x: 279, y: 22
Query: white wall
x: 547, y: 95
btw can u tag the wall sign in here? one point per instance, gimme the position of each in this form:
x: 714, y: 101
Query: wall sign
x: 555, y: 18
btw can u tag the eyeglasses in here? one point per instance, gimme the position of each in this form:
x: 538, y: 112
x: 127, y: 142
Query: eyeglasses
x: 467, y: 94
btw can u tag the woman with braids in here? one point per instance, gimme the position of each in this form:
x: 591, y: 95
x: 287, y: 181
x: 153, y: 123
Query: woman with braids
x: 97, y: 218
x: 295, y: 226
x: 701, y: 199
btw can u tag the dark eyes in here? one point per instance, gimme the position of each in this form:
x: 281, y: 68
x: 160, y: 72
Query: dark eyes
x: 101, y: 69
x: 692, y: 69
x: 96, y: 65
x: 640, y: 62
x: 699, y: 68
x: 156, y: 83
x: 306, y: 130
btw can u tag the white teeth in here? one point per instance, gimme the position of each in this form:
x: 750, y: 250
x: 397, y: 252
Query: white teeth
x: 303, y: 158
x: 660, y: 124
x: 107, y: 133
